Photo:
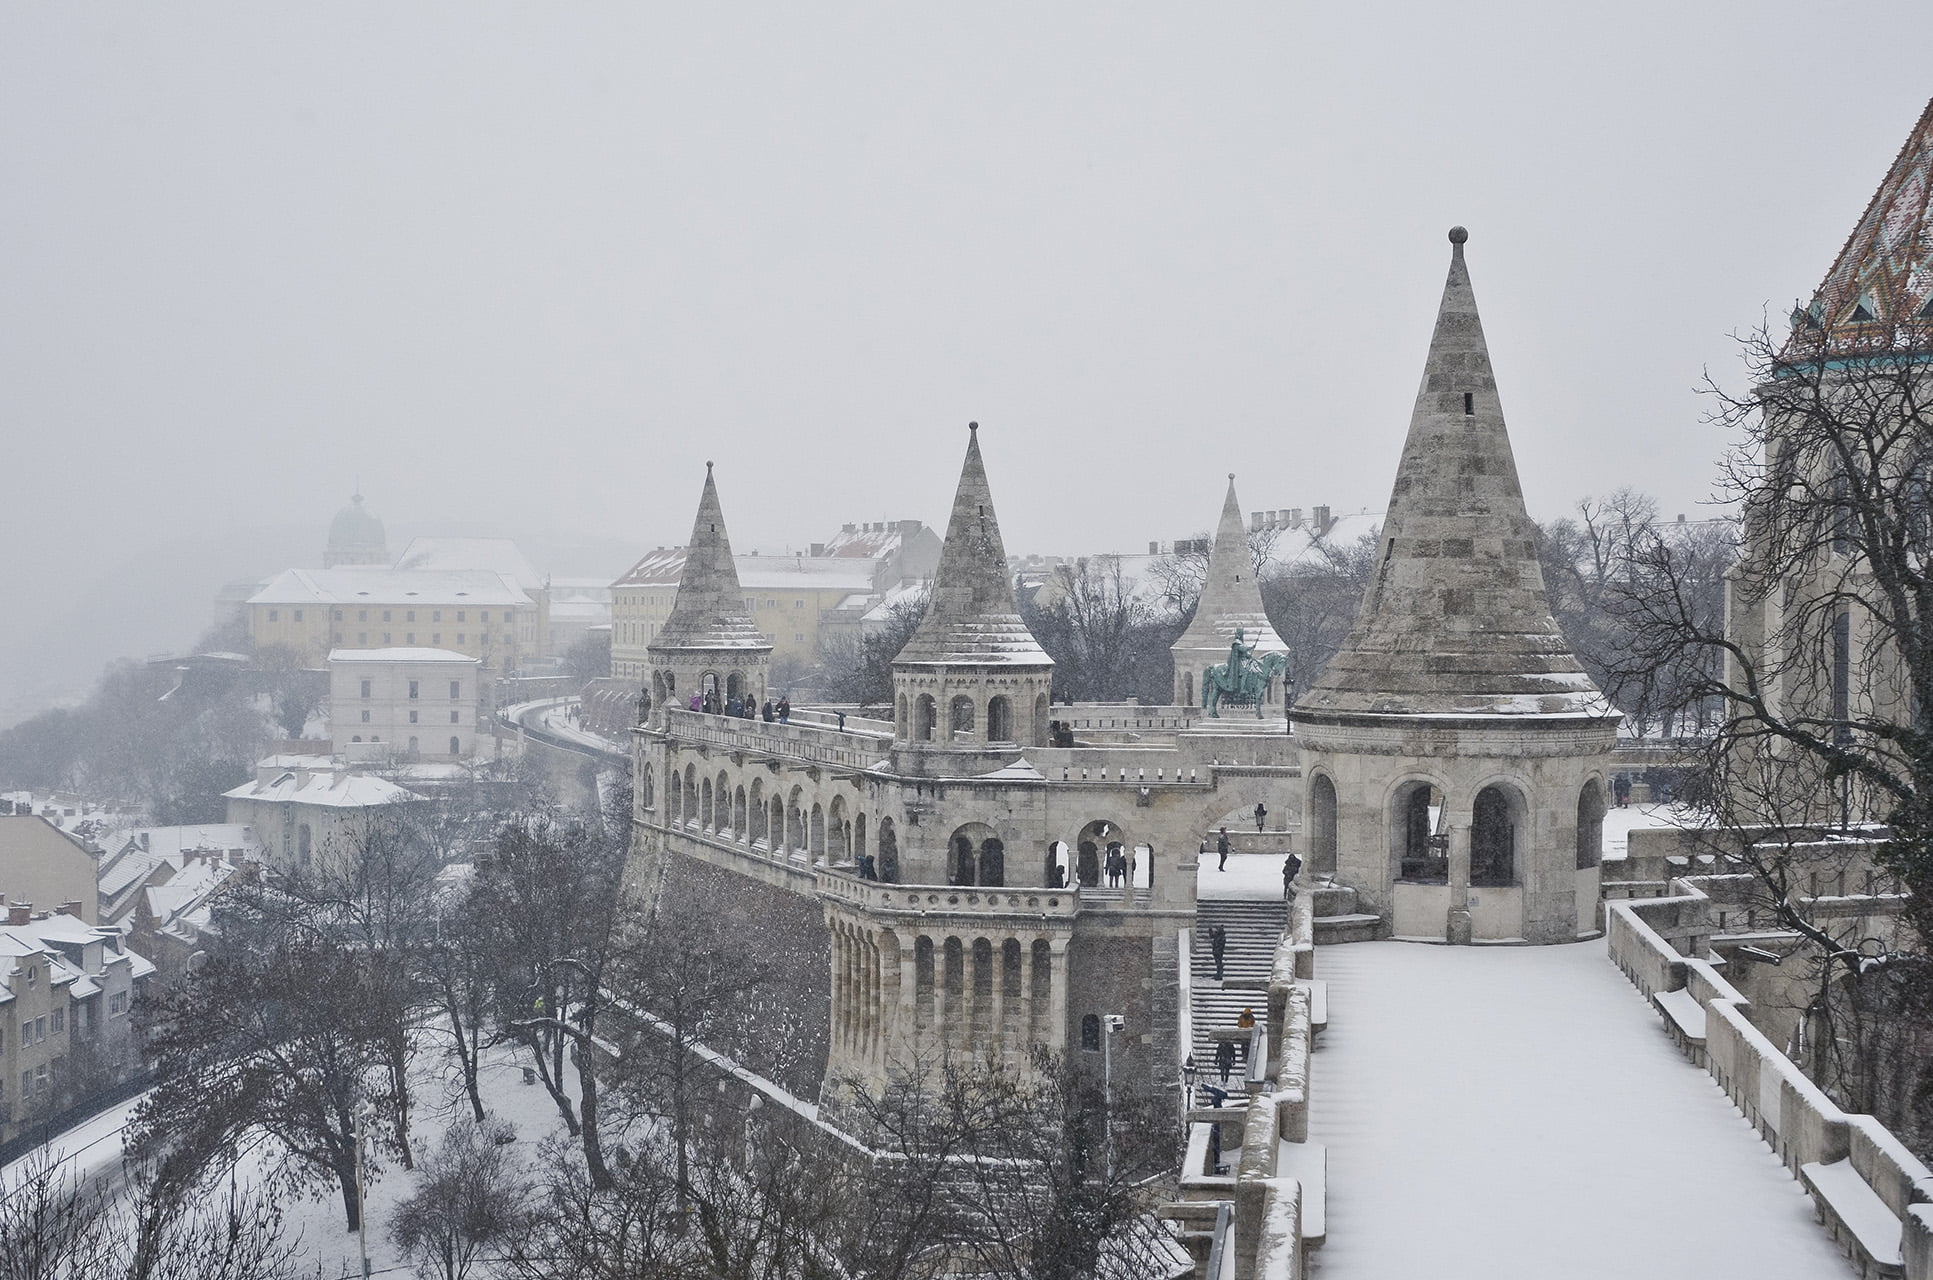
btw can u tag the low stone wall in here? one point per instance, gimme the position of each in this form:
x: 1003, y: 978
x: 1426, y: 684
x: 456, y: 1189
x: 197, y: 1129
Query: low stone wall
x: 1649, y: 941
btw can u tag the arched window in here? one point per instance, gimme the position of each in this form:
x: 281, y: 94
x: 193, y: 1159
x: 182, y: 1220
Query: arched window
x: 1187, y: 688
x: 1324, y: 831
x: 923, y: 979
x: 778, y: 823
x: 456, y: 749
x: 1091, y: 1033
x: 1038, y: 738
x: 1590, y: 825
x: 888, y: 852
x: 993, y: 862
x: 999, y: 720
x: 816, y: 836
x: 923, y: 714
x: 963, y: 860
x: 1422, y: 854
x: 704, y: 806
x: 675, y: 799
x: 1493, y: 839
x: 738, y: 812
x: 960, y: 715
x: 412, y: 745
x: 1087, y: 866
x: 357, y: 738
x: 859, y: 837
x: 899, y: 716
x: 760, y: 816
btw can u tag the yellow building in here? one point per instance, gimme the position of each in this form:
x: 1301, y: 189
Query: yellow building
x: 313, y: 611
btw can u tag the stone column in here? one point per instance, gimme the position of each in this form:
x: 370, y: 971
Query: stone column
x: 1056, y: 1038
x: 1457, y: 929
x: 998, y: 1023
x: 908, y: 992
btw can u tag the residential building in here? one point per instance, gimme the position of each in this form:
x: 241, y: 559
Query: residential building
x: 45, y: 866
x: 306, y: 807
x: 418, y: 703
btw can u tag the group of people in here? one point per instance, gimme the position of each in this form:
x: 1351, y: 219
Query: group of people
x: 742, y: 708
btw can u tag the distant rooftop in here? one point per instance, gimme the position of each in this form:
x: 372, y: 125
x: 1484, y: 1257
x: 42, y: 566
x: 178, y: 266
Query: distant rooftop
x: 376, y: 585
x: 488, y: 555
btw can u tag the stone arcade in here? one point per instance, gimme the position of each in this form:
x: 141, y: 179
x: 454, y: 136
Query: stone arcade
x: 989, y: 929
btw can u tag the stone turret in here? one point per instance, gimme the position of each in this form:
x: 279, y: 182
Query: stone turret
x: 1231, y: 601
x: 709, y: 642
x: 1455, y: 750
x: 971, y: 688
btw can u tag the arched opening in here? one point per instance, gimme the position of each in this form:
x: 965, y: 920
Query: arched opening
x: 412, y: 744
x: 778, y: 823
x: 1493, y: 838
x: 734, y: 686
x: 1590, y: 825
x: 960, y: 716
x: 838, y: 838
x: 982, y: 1012
x: 304, y: 843
x: 704, y: 806
x: 1187, y: 688
x: 993, y: 862
x: 1054, y: 874
x: 999, y: 720
x: 1043, y: 989
x: 691, y: 793
x: 739, y: 824
x: 761, y: 815
x: 899, y: 716
x: 647, y: 797
x: 1087, y: 866
x: 859, y: 836
x: 1091, y: 1033
x: 795, y: 822
x: 1092, y: 845
x: 1039, y: 736
x: 724, y: 793
x: 1422, y: 849
x: 456, y: 749
x: 888, y: 852
x: 816, y: 841
x: 962, y: 863
x: 923, y: 979
x: 1323, y: 829
x: 1010, y: 978
x: 953, y: 977
x: 675, y: 800
x: 923, y: 718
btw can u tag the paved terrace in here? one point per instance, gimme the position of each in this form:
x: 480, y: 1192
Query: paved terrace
x: 1495, y: 1113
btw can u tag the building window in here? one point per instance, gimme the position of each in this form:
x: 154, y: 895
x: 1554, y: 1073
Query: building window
x: 456, y: 747
x: 1091, y: 1033
x: 385, y: 615
x: 365, y: 688
x: 117, y: 1002
x: 357, y: 738
x: 297, y: 615
x: 60, y: 1021
x: 456, y: 689
x: 33, y: 975
x: 40, y: 1028
x: 459, y: 637
x: 798, y: 604
x: 484, y: 616
x: 365, y: 717
x: 385, y: 637
x: 40, y: 1076
x: 436, y: 638
x: 412, y: 746
x: 362, y: 615
x: 26, y: 1084
x: 274, y: 615
x: 456, y: 717
x: 410, y: 616
x: 436, y: 615
x: 337, y: 638
x: 798, y: 635
x: 338, y: 615
x: 412, y: 717
x: 412, y: 688
x: 459, y: 615
x: 410, y: 638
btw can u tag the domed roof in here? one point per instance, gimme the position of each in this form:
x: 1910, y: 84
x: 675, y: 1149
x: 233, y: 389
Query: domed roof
x: 355, y: 537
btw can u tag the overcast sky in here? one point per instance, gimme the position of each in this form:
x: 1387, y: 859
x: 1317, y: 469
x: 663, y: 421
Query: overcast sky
x: 534, y: 264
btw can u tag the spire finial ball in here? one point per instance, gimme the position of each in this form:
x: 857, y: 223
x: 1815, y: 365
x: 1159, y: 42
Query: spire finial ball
x: 708, y: 466
x: 973, y: 426
x: 1231, y: 475
x: 1459, y: 235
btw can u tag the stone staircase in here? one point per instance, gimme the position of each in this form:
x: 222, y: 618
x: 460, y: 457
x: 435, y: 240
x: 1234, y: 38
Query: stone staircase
x: 1254, y: 929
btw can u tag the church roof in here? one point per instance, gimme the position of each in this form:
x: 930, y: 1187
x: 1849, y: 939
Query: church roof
x: 709, y: 611
x: 1231, y: 599
x: 1455, y: 621
x: 1884, y: 273
x: 491, y: 555
x: 972, y: 618
x: 356, y: 536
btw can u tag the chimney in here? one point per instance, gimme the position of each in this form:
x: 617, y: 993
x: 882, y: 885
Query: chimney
x: 907, y: 528
x: 846, y: 528
x: 818, y: 548
x: 71, y: 909
x: 144, y: 842
x: 1322, y: 521
x: 1254, y: 522
x: 1154, y: 548
x: 1295, y: 517
x: 20, y: 913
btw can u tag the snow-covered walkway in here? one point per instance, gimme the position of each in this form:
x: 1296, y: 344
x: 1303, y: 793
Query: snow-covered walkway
x: 1495, y: 1113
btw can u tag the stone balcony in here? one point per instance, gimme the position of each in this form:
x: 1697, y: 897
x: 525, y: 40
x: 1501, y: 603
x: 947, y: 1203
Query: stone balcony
x: 879, y: 898
x: 807, y: 743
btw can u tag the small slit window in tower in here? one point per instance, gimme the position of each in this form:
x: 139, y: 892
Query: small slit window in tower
x: 1469, y: 404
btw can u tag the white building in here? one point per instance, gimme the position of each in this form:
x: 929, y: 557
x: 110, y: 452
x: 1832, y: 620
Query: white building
x: 418, y: 703
x: 302, y: 806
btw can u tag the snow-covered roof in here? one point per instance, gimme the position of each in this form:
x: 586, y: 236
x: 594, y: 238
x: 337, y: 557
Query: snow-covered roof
x: 365, y: 585
x: 489, y: 555
x: 338, y: 789
x: 804, y: 573
x: 402, y: 653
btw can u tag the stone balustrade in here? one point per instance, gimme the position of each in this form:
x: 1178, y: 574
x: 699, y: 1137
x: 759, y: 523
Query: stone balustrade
x: 1873, y: 1195
x: 880, y: 898
x: 809, y: 743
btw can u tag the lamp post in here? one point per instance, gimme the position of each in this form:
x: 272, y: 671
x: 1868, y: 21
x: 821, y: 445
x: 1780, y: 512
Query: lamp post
x: 1110, y: 1023
x: 362, y: 1208
x: 1188, y: 1073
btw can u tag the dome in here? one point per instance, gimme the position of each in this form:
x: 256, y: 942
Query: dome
x: 355, y: 537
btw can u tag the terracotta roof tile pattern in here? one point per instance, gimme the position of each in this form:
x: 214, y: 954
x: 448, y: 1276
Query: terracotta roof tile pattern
x: 1884, y: 272
x: 1456, y: 621
x: 709, y: 611
x: 972, y: 618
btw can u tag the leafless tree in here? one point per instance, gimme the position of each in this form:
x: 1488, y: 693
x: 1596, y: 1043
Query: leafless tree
x: 856, y: 666
x: 1108, y: 640
x: 470, y: 1199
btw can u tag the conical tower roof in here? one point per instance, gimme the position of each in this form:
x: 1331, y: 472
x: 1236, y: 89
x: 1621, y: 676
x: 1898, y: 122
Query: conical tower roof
x: 1884, y: 273
x: 709, y: 609
x: 971, y: 618
x: 1231, y: 598
x: 1455, y: 621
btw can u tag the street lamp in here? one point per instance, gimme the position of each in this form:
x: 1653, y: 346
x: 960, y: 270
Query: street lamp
x: 362, y: 1207
x: 1188, y: 1073
x: 1113, y: 1022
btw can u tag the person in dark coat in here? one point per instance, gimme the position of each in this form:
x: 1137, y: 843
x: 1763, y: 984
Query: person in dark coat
x: 1291, y: 868
x: 785, y: 710
x: 1218, y: 943
x: 1224, y: 1058
x: 768, y: 713
x: 1261, y: 812
x: 1221, y: 847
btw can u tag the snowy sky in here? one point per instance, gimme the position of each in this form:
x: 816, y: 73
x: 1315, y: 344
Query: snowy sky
x: 536, y: 263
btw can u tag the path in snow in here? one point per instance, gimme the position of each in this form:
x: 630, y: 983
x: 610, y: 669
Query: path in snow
x: 1502, y: 1112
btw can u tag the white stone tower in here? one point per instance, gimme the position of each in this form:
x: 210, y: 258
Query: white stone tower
x: 971, y: 688
x: 709, y: 641
x: 1455, y: 751
x: 1231, y: 601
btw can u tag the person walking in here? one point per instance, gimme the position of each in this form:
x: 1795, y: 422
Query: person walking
x: 768, y: 713
x: 1261, y: 812
x: 785, y: 709
x: 1291, y: 868
x: 842, y: 722
x: 1245, y: 1023
x: 1224, y: 1058
x: 1218, y: 943
x: 1221, y: 847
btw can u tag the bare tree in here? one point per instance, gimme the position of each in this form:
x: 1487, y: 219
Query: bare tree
x: 856, y: 666
x: 1108, y: 640
x: 469, y: 1199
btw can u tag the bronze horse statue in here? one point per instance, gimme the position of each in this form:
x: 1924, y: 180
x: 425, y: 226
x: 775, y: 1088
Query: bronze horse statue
x: 1241, y: 688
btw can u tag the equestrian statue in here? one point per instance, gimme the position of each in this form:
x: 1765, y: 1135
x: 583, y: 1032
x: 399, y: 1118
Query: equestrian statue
x: 1243, y: 679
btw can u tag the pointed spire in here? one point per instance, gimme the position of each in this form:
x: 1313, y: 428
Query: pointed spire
x: 1884, y: 273
x: 1231, y: 598
x: 709, y: 609
x: 1455, y: 620
x: 972, y: 617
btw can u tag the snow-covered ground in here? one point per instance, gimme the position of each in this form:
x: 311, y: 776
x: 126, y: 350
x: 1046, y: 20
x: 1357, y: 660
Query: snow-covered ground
x: 1501, y: 1112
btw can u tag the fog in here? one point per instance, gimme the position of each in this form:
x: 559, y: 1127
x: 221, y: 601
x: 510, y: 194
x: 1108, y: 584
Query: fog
x: 523, y: 269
